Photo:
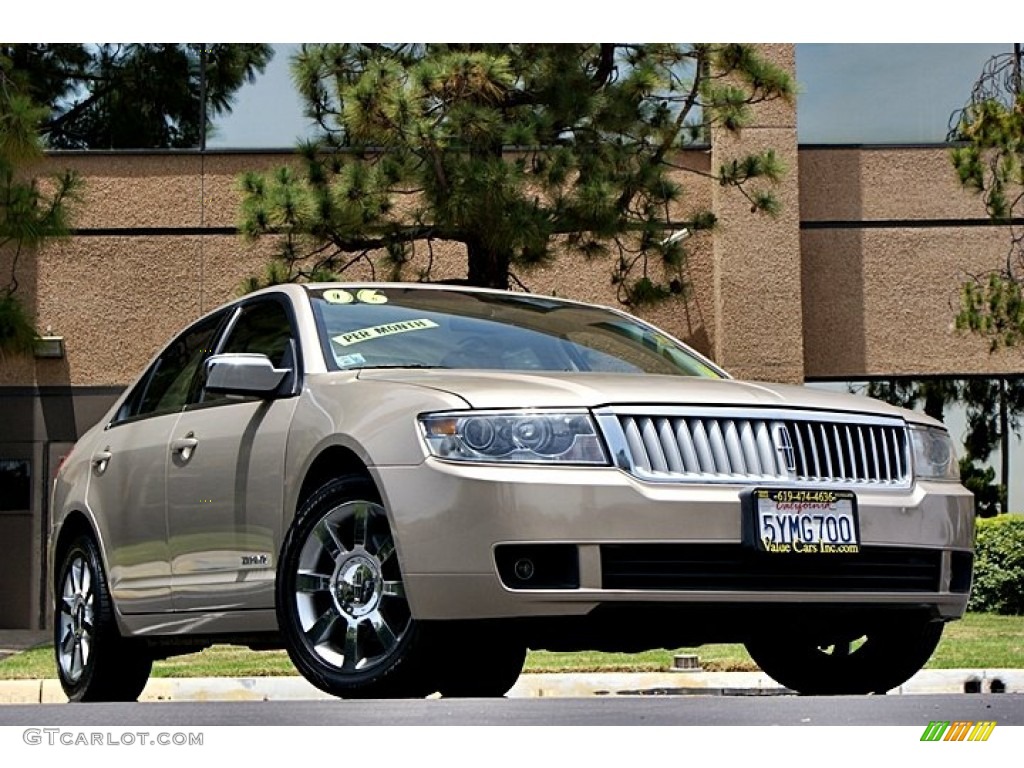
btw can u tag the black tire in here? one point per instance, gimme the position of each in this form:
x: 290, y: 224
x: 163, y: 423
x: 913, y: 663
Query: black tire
x: 341, y: 603
x: 478, y: 661
x: 94, y: 662
x: 882, y: 658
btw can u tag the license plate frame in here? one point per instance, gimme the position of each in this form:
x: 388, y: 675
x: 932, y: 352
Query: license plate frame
x: 801, y: 521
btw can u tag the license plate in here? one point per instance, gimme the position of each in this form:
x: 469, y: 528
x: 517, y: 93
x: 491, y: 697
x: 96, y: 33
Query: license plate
x: 810, y: 522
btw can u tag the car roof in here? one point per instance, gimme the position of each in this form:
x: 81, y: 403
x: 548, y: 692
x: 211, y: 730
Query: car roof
x: 445, y: 286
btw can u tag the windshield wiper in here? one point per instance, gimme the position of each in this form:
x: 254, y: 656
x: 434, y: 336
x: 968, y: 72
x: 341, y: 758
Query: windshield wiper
x: 394, y: 365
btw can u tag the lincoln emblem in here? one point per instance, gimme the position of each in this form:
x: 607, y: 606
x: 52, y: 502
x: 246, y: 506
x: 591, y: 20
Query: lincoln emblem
x: 784, y: 445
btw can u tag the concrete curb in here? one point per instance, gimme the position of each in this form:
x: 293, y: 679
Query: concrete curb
x: 530, y: 686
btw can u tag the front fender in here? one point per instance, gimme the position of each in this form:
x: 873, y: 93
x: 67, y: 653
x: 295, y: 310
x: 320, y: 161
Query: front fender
x: 375, y: 420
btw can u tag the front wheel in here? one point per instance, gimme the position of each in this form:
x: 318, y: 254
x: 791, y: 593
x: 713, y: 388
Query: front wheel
x: 341, y: 600
x: 477, y: 661
x: 874, y: 660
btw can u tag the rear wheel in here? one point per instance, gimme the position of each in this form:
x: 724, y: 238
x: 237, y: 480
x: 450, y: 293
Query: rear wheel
x: 341, y: 601
x: 94, y: 663
x: 877, y: 660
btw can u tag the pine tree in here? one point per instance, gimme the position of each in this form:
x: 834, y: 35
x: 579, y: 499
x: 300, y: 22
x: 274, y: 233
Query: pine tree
x: 132, y: 95
x: 517, y: 152
x: 30, y: 213
x: 990, y: 160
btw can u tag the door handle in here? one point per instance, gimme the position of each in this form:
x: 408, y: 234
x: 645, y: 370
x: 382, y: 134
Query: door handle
x: 100, y: 460
x: 183, y: 446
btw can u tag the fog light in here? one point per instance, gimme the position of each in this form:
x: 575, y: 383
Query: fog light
x: 538, y: 566
x: 524, y: 569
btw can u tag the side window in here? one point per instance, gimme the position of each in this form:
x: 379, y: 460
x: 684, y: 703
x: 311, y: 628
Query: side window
x: 264, y: 328
x: 167, y: 385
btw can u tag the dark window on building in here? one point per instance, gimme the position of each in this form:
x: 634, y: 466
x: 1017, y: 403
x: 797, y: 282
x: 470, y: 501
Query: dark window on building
x: 15, y: 484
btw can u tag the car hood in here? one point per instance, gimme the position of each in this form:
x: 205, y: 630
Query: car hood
x: 512, y: 389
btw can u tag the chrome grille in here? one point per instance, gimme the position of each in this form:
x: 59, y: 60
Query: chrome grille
x: 734, y: 445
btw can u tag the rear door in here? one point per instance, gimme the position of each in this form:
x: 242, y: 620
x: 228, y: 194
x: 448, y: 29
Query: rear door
x: 127, y: 487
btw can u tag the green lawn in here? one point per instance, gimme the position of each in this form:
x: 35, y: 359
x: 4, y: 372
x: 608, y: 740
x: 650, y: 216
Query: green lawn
x: 979, y: 640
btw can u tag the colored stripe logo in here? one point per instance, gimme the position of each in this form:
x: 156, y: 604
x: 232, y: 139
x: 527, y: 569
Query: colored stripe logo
x: 958, y: 730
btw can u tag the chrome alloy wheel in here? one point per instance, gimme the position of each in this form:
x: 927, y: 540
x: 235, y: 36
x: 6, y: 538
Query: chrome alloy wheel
x: 349, y: 596
x: 76, y: 619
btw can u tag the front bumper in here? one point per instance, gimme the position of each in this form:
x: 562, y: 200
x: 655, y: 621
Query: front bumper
x: 450, y: 520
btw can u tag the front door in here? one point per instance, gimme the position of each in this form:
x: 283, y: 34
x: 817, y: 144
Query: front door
x: 224, y: 496
x: 225, y: 485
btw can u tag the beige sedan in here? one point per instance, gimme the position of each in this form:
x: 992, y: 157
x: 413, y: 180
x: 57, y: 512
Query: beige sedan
x: 407, y: 486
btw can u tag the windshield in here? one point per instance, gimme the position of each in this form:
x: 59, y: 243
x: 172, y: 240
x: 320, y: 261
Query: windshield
x: 448, y: 328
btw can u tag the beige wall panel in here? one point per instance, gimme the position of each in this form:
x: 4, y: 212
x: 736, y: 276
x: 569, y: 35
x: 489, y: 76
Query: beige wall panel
x: 225, y: 261
x: 883, y: 183
x: 116, y: 301
x: 220, y: 183
x: 698, y: 189
x: 777, y: 113
x: 694, y: 318
x: 758, y: 306
x: 135, y: 190
x: 883, y: 301
x: 17, y: 371
x: 833, y: 303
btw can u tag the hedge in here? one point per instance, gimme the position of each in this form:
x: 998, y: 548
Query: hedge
x: 999, y: 566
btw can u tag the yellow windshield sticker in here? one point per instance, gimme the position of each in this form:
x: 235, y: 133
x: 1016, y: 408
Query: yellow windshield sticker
x: 335, y: 296
x: 363, y: 296
x: 370, y: 296
x: 389, y: 329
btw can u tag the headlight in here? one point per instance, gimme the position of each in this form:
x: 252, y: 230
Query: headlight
x: 536, y: 437
x: 934, y: 454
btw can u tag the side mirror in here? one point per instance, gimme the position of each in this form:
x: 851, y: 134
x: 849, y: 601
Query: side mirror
x: 243, y: 374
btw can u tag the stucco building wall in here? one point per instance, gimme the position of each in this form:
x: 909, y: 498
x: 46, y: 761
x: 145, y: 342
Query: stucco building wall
x: 887, y: 238
x: 756, y: 265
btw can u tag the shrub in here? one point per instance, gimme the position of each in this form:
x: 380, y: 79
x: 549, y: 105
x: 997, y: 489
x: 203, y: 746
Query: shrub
x: 999, y: 566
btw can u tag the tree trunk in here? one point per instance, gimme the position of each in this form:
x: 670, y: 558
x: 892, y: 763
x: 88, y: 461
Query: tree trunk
x: 487, y: 268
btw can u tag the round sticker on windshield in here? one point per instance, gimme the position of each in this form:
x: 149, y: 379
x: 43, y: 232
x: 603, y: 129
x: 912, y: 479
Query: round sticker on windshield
x: 370, y: 296
x: 338, y: 296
